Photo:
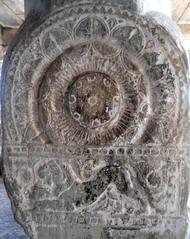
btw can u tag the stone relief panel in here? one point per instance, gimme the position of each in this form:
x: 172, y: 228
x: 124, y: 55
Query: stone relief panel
x: 95, y: 127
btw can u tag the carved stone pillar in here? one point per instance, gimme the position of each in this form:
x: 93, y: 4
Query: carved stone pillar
x: 95, y: 125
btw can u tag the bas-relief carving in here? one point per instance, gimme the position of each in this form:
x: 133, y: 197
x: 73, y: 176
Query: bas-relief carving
x: 95, y: 123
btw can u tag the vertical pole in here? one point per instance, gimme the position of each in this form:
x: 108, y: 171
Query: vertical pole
x: 41, y: 6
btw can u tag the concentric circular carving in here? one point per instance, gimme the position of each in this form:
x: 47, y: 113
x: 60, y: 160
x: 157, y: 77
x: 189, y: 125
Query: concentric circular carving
x: 94, y: 104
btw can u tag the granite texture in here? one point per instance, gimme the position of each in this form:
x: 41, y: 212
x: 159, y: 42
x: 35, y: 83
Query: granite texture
x: 95, y: 129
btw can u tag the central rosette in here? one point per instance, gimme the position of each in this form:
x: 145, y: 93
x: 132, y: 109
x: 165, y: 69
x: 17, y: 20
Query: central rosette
x: 93, y: 99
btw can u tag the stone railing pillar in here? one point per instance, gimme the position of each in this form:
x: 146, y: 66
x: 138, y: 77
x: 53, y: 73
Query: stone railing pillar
x: 95, y: 129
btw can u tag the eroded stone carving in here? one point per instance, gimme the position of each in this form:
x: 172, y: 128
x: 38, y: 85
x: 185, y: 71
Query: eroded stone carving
x: 95, y: 123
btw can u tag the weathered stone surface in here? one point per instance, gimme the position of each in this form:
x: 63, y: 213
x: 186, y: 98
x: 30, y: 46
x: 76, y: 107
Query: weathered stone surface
x: 95, y: 127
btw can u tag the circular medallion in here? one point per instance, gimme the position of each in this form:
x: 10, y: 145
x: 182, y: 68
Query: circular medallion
x: 94, y: 104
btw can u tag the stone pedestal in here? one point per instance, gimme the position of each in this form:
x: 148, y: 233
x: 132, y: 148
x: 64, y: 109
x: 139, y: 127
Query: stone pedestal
x: 95, y: 125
